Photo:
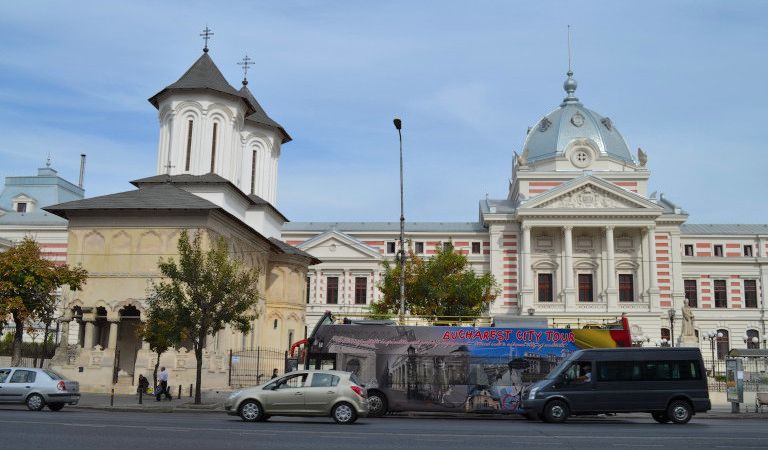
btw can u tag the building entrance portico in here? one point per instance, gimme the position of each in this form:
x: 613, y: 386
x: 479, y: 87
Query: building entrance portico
x: 128, y: 340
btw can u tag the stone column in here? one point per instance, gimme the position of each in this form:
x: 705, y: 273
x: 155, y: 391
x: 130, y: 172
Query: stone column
x: 611, y: 291
x: 88, y: 339
x: 113, y: 324
x: 64, y: 320
x: 570, y: 290
x: 526, y: 293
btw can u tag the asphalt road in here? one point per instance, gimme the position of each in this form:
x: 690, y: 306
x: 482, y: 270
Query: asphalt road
x: 91, y: 429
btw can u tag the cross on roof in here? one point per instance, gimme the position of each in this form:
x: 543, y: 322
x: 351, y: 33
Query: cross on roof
x: 206, y: 34
x: 245, y: 63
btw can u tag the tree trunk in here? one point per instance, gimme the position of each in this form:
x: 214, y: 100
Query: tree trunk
x: 154, y: 373
x: 198, y: 372
x: 17, y: 339
x: 45, y: 344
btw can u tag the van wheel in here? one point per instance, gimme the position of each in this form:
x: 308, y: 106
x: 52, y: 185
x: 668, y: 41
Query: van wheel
x: 35, y: 402
x: 679, y: 411
x: 556, y: 411
x: 377, y: 404
x: 660, y: 417
x: 344, y: 413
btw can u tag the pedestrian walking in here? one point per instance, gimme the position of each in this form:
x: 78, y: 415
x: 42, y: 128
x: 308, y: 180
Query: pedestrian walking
x: 163, y: 388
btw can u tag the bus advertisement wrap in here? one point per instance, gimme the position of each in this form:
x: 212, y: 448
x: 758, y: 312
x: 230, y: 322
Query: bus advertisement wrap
x: 435, y: 368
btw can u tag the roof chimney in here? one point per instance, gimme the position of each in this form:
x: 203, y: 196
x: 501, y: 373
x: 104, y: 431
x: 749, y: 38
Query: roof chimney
x: 82, y: 170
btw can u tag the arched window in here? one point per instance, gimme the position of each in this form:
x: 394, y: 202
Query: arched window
x: 213, y: 145
x: 753, y: 339
x: 723, y: 345
x: 189, y: 144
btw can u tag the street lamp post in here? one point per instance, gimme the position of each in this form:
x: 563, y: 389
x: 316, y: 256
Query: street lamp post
x: 750, y: 340
x: 399, y: 124
x: 671, y: 314
x: 712, y: 336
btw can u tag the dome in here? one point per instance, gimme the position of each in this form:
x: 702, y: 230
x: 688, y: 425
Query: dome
x: 571, y: 124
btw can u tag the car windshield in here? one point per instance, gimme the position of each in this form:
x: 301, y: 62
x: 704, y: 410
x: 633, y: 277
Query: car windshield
x: 54, y: 376
x: 563, y: 365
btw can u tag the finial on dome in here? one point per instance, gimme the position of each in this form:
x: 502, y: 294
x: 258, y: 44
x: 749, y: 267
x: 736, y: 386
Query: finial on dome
x: 570, y: 84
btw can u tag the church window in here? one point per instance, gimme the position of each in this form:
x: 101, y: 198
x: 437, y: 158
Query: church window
x: 721, y: 296
x: 626, y: 288
x: 419, y: 248
x: 361, y: 290
x: 750, y: 294
x: 691, y: 293
x: 189, y: 145
x: 475, y: 248
x: 718, y: 250
x: 585, y: 287
x: 332, y: 290
x: 21, y: 207
x: 545, y: 287
x: 747, y: 250
x: 688, y: 249
x: 391, y: 247
x: 213, y: 146
x: 253, y: 173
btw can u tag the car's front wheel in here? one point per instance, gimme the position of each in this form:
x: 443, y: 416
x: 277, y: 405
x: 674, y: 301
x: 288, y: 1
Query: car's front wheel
x: 55, y: 406
x: 35, y: 402
x: 250, y: 411
x: 344, y: 414
x: 660, y: 417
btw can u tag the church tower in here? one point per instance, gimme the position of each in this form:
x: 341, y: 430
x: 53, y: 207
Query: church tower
x: 209, y: 127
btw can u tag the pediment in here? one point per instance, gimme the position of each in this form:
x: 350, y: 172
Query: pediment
x: 590, y: 193
x: 336, y: 245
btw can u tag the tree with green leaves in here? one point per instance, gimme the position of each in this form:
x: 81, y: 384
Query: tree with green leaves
x: 442, y: 285
x: 28, y: 285
x: 205, y: 291
x: 161, y: 330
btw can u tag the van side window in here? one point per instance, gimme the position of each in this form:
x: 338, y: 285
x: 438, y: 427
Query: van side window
x: 647, y: 370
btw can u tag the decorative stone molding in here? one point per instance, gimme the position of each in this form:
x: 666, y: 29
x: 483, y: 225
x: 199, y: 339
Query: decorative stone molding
x: 589, y: 197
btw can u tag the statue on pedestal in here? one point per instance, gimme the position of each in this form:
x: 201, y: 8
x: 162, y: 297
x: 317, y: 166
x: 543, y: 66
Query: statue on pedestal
x: 688, y: 335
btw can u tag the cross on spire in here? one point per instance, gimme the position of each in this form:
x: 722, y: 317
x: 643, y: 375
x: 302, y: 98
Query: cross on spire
x: 206, y: 35
x: 245, y: 63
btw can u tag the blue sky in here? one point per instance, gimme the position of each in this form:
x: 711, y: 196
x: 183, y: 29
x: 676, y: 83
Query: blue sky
x: 686, y: 81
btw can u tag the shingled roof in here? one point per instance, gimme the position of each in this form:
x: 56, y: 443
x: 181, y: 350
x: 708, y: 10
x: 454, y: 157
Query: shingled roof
x: 202, y: 75
x: 161, y: 196
x: 291, y: 250
x: 260, y: 116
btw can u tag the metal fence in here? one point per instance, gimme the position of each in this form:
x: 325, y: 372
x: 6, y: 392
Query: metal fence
x: 755, y: 374
x: 255, y: 366
x: 33, y: 354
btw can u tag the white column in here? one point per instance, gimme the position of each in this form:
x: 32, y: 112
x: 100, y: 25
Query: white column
x: 112, y: 335
x: 526, y: 257
x: 88, y: 339
x: 611, y: 257
x: 570, y: 290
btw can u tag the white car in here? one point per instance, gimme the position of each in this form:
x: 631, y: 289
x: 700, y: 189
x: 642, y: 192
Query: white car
x: 37, y: 388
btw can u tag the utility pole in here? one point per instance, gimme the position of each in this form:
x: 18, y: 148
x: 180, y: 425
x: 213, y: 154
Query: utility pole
x: 398, y: 125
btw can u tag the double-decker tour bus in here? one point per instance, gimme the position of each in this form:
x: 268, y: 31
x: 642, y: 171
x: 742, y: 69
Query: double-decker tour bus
x: 452, y: 368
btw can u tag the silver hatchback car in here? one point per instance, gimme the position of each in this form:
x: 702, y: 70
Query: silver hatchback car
x: 302, y: 393
x: 37, y: 388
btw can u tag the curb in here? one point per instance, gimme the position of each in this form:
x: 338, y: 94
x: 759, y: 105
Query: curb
x: 154, y: 409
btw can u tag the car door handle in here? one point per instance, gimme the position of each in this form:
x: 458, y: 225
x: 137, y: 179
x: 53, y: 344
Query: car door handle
x: 331, y: 392
x: 27, y: 387
x: 299, y: 393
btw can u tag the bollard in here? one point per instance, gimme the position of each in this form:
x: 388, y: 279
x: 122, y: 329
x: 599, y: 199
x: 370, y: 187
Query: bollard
x: 190, y: 391
x: 141, y: 396
x: 112, y: 398
x: 179, y: 398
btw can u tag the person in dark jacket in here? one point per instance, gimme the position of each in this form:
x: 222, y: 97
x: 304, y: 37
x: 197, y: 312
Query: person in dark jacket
x: 143, y: 384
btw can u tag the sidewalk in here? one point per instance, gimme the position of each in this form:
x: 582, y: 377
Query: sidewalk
x: 213, y: 402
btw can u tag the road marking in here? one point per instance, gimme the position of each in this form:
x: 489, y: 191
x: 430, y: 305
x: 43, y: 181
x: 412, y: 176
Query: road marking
x: 641, y: 445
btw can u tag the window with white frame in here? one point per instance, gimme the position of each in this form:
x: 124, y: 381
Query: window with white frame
x: 476, y: 248
x: 391, y: 247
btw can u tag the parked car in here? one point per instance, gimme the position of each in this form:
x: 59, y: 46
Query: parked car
x: 302, y: 393
x: 668, y: 383
x: 37, y: 388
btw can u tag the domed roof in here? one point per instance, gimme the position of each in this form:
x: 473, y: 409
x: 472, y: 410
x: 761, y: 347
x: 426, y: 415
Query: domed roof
x: 573, y: 123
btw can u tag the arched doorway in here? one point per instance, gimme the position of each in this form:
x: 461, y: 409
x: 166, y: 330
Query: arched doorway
x: 128, y: 341
x: 77, y: 317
